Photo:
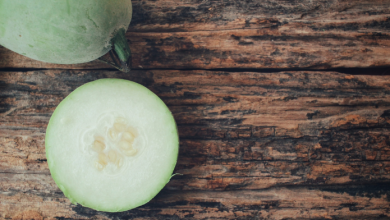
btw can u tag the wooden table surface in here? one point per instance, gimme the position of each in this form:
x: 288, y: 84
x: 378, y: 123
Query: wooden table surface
x: 283, y: 110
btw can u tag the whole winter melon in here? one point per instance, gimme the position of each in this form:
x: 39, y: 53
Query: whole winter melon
x: 62, y: 31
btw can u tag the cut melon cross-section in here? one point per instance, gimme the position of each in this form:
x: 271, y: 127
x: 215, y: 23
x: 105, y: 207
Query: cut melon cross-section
x: 111, y: 145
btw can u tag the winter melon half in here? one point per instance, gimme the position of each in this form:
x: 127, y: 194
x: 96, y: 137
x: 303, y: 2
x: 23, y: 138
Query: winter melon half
x: 111, y: 145
x: 63, y: 31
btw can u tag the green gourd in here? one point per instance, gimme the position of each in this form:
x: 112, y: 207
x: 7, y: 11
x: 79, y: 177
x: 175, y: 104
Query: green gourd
x: 66, y: 31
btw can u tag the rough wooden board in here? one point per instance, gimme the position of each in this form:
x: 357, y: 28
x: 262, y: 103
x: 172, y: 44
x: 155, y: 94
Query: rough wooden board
x: 236, y: 175
x: 265, y: 48
x: 239, y: 130
x: 239, y: 49
x: 288, y: 145
x: 362, y: 202
x: 318, y: 15
x: 231, y: 34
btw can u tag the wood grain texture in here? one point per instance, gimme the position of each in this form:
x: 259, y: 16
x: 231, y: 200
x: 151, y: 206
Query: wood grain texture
x: 369, y: 202
x: 214, y: 15
x: 274, y: 145
x: 251, y: 34
x: 253, y: 144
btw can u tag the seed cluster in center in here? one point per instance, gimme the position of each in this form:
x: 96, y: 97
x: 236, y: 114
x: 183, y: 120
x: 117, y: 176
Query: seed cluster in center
x: 122, y: 136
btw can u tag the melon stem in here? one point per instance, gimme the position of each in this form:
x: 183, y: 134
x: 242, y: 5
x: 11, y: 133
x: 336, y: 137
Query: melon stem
x: 120, y: 52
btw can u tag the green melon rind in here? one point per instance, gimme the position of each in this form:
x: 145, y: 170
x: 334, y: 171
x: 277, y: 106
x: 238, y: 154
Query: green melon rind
x: 62, y: 31
x: 56, y: 178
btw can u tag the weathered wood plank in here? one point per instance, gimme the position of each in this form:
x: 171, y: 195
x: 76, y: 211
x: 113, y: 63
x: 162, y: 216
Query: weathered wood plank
x: 239, y: 49
x: 269, y: 34
x: 239, y: 130
x: 200, y: 173
x: 281, y: 145
x: 361, y: 202
x: 265, y: 48
x: 194, y: 15
x: 244, y: 175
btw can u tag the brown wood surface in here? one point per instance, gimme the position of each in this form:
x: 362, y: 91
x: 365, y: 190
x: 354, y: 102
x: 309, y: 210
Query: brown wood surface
x: 253, y: 145
x: 264, y: 134
x: 195, y: 34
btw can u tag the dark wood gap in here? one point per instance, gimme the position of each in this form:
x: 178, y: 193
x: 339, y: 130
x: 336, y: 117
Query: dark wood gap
x: 373, y: 71
x: 45, y: 69
x: 385, y: 186
x: 379, y: 70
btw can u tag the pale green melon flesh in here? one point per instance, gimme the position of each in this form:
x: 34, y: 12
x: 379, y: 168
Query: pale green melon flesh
x: 91, y: 110
x: 62, y: 31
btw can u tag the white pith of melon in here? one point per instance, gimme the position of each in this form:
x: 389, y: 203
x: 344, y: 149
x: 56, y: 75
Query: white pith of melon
x: 90, y: 111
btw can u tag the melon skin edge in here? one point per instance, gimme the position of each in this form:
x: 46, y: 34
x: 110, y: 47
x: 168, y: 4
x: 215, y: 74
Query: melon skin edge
x: 74, y: 198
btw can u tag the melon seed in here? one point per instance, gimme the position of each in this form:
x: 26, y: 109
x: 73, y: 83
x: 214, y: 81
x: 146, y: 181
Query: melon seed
x: 100, y: 166
x: 125, y: 145
x: 128, y: 136
x: 113, y: 134
x: 112, y: 156
x: 130, y: 152
x: 103, y: 158
x: 98, y: 146
x: 119, y: 126
x: 119, y: 161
